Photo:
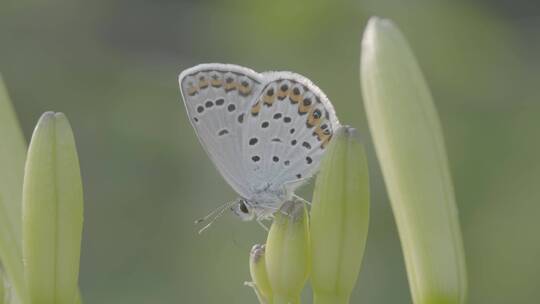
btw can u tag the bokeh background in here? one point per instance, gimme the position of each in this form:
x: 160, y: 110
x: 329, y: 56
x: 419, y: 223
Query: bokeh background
x: 112, y: 67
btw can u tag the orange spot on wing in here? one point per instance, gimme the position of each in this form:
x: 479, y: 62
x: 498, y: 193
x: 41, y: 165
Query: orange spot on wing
x: 216, y: 83
x: 244, y: 90
x: 192, y: 90
x: 295, y: 98
x: 203, y: 81
x: 303, y: 108
x: 268, y: 100
x: 326, y: 140
x: 231, y: 86
x: 282, y: 94
x: 319, y: 132
x: 312, y: 121
x: 256, y: 108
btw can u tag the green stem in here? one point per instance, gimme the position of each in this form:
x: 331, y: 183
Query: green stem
x: 286, y: 299
x: 327, y: 298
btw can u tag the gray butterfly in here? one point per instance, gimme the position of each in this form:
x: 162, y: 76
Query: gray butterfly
x: 265, y: 132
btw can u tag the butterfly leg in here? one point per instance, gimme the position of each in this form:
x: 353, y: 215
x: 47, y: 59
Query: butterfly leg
x: 296, y: 183
x: 259, y: 221
x: 301, y: 199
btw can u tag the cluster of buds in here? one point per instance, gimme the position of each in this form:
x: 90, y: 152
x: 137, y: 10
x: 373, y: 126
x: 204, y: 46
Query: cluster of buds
x: 328, y: 247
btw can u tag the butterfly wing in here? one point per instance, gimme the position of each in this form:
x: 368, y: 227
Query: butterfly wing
x: 217, y: 98
x: 290, y: 124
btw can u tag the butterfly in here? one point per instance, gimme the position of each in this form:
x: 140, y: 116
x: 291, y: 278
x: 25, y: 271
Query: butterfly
x: 265, y: 132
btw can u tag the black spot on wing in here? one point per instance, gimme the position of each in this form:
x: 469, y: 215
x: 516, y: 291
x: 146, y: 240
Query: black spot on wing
x: 241, y: 118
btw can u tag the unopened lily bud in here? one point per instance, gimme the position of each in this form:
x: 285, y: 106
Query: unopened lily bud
x: 287, y: 252
x: 259, y: 275
x: 339, y: 219
x: 12, y: 157
x: 52, y: 213
x: 409, y: 143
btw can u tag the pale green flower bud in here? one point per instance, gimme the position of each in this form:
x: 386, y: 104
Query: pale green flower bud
x: 12, y: 157
x: 408, y: 139
x: 287, y: 253
x: 259, y: 275
x: 52, y: 213
x: 339, y: 218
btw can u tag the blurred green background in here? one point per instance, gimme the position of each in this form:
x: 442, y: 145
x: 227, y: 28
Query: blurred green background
x: 112, y: 67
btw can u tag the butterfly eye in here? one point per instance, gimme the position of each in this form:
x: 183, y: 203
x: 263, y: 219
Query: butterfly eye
x: 243, y: 207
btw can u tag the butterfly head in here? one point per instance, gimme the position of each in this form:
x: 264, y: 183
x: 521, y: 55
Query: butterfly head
x: 248, y: 210
x: 243, y: 209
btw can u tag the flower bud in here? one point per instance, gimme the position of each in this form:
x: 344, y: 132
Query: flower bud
x: 12, y: 157
x: 52, y: 213
x: 259, y: 275
x: 339, y: 218
x: 287, y: 252
x: 410, y: 147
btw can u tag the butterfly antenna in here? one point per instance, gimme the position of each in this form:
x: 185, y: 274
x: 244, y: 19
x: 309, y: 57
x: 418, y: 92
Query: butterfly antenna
x: 217, y: 213
x: 217, y: 210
